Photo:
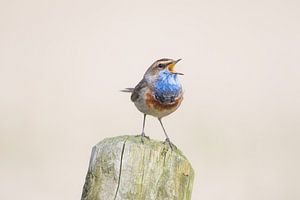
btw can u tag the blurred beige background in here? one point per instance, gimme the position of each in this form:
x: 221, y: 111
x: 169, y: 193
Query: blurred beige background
x: 62, y: 64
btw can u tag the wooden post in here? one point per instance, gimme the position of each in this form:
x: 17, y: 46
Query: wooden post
x: 123, y: 168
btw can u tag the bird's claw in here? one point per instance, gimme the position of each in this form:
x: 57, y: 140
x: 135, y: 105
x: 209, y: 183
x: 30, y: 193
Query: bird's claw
x: 142, y: 137
x: 172, y: 146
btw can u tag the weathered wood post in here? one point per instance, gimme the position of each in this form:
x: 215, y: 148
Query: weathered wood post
x: 123, y: 168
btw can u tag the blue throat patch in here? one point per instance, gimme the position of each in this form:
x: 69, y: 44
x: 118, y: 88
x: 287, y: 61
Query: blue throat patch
x: 167, y: 87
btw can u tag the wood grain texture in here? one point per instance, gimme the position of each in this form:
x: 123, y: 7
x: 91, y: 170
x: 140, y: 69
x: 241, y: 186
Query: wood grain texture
x: 123, y: 168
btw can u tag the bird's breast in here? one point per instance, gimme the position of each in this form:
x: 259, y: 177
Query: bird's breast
x: 156, y: 104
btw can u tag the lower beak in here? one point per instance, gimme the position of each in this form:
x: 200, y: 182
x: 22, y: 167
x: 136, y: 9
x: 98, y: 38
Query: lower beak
x: 172, y: 65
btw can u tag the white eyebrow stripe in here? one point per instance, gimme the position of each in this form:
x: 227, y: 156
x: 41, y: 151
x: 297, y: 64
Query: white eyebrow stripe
x: 164, y: 61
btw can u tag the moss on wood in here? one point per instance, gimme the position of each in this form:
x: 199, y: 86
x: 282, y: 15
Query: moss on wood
x: 123, y: 168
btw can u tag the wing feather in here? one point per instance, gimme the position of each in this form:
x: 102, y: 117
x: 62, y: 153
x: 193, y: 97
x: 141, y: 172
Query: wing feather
x: 137, y: 90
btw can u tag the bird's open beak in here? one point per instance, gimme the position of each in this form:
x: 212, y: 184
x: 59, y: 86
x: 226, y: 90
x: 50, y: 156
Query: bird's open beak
x: 172, y: 65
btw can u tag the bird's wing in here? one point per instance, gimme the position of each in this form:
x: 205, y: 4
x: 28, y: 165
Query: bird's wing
x: 136, y: 91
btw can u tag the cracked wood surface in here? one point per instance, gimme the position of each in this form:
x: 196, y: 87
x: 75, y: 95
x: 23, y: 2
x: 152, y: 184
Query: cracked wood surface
x: 122, y: 168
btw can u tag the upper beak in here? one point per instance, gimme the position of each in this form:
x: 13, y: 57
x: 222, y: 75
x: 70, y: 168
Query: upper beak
x: 172, y: 65
x: 176, y: 61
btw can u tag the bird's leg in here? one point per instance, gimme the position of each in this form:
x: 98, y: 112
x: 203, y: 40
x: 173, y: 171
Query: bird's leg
x: 167, y: 137
x: 143, y: 130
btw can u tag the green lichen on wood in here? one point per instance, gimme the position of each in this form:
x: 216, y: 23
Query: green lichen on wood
x: 124, y: 168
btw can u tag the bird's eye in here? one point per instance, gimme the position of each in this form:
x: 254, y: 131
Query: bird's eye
x: 161, y: 65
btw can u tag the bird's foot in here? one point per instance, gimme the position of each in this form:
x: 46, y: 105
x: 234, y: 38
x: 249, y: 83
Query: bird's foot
x: 142, y: 137
x: 172, y: 146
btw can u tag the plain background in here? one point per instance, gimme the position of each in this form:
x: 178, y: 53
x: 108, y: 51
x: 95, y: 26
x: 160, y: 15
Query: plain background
x: 63, y: 62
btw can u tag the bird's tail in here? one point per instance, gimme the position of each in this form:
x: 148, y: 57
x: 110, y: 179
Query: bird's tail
x: 130, y: 90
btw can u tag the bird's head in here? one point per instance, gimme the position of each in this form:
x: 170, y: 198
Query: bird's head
x: 162, y: 67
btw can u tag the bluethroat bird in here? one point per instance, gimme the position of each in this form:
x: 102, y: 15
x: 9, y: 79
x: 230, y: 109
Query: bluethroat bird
x: 159, y: 93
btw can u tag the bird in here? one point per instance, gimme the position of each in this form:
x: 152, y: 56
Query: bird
x: 158, y: 94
